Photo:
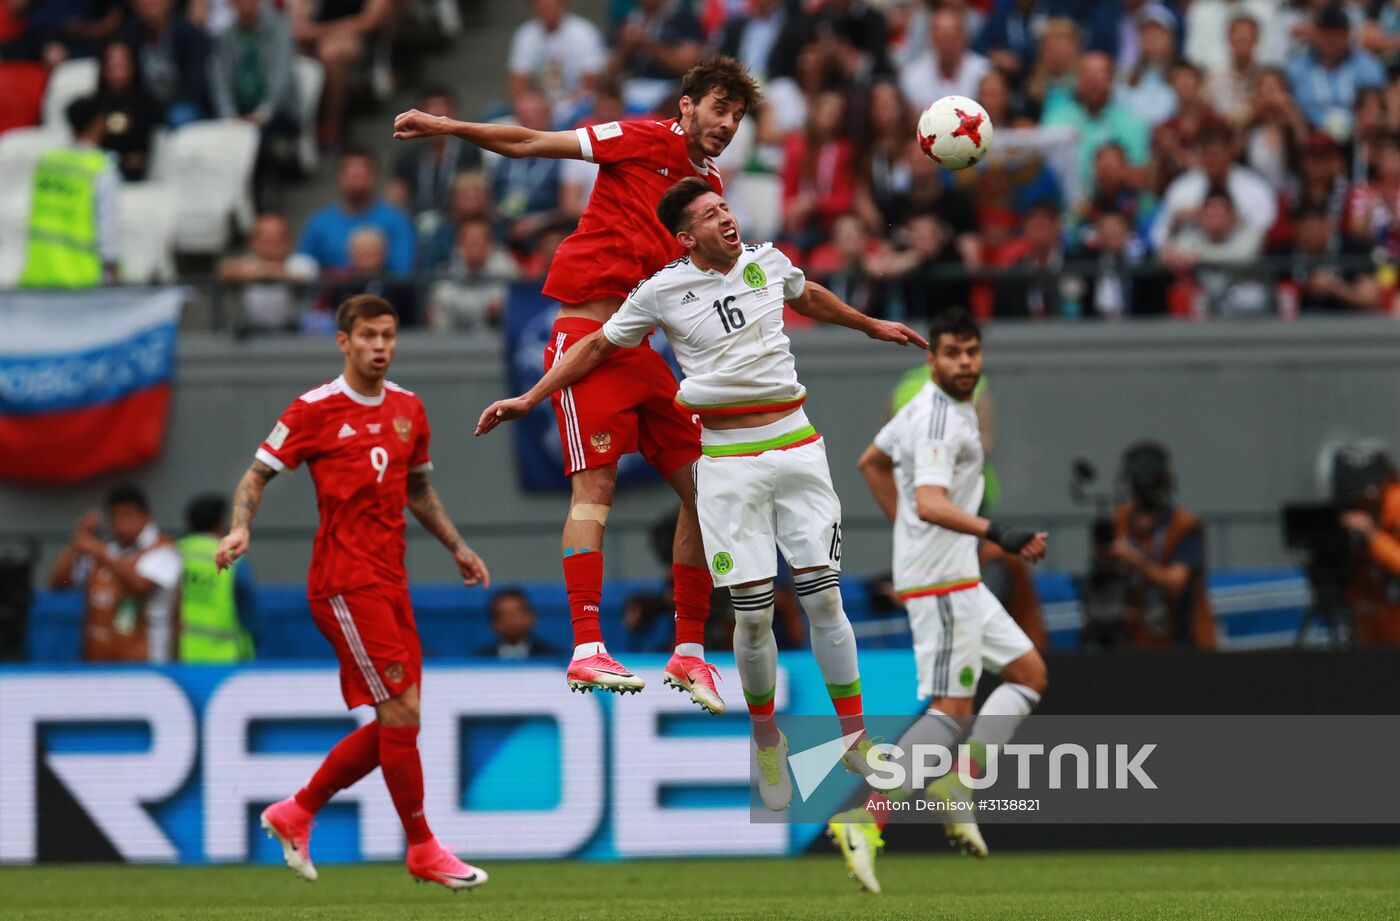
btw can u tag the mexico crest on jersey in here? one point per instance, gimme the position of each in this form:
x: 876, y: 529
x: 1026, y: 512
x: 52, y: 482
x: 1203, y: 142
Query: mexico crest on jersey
x: 753, y: 275
x: 403, y: 427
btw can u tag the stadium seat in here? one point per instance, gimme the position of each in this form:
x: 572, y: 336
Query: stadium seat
x: 70, y: 80
x: 757, y: 199
x: 158, y: 167
x: 311, y: 77
x: 148, y: 219
x: 211, y: 171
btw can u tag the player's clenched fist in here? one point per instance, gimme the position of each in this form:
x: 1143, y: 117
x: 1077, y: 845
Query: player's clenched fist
x: 415, y: 124
x: 501, y: 411
x: 233, y: 546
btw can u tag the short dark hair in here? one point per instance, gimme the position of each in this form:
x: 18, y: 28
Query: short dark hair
x: 363, y: 307
x: 1218, y: 192
x: 204, y: 513
x: 725, y: 76
x: 671, y: 210
x: 1215, y: 134
x: 128, y: 494
x: 955, y: 322
x: 81, y: 113
x: 505, y: 594
x: 439, y: 91
x: 360, y: 152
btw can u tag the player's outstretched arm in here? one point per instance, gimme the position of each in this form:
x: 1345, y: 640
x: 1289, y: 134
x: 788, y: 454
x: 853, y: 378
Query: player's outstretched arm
x: 246, y: 499
x: 590, y: 352
x: 821, y: 305
x: 427, y: 507
x: 512, y: 141
x: 934, y: 505
x: 878, y: 469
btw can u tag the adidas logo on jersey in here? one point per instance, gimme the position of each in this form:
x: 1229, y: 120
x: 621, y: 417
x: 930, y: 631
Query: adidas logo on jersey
x: 347, y: 432
x: 689, y: 298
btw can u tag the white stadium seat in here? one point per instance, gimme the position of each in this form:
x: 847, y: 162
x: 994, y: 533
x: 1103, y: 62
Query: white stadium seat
x: 757, y: 200
x: 70, y: 80
x: 148, y: 219
x: 311, y: 78
x: 211, y: 171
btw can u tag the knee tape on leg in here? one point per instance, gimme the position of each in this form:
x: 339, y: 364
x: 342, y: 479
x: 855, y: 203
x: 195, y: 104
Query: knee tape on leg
x: 584, y: 511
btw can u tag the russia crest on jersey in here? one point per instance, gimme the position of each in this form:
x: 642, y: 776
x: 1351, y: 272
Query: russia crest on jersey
x: 84, y: 381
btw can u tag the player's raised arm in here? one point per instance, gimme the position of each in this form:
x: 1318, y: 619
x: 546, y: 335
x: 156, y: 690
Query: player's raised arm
x: 591, y: 351
x: 821, y: 305
x: 513, y: 141
x: 427, y: 507
x: 246, y: 499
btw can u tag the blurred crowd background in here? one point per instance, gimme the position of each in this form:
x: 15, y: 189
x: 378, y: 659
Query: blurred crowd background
x: 1193, y: 159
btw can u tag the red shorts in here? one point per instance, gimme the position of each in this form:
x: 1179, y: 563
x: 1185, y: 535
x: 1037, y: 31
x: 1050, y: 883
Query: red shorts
x: 376, y: 640
x: 625, y: 405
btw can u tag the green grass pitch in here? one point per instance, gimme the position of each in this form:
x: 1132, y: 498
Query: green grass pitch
x: 1265, y: 885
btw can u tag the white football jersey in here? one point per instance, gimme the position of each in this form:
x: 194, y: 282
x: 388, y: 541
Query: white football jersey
x: 726, y: 329
x: 934, y: 440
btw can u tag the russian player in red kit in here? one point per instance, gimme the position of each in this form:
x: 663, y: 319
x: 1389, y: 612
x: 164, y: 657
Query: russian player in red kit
x: 628, y: 403
x: 365, y: 440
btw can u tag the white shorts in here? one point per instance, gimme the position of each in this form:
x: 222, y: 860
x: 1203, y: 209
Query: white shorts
x: 957, y: 635
x: 750, y: 505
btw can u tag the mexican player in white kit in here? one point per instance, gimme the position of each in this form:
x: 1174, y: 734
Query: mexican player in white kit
x: 925, y: 471
x: 762, y: 479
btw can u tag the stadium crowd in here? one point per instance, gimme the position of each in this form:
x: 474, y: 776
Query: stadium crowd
x: 1203, y: 158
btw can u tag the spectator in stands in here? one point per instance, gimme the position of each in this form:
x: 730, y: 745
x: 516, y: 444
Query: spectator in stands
x: 557, y: 53
x: 513, y: 624
x: 55, y: 30
x: 657, y: 43
x: 1160, y: 548
x: 1213, y: 39
x: 883, y: 174
x: 1373, y: 211
x: 1117, y: 286
x: 766, y: 39
x: 1055, y: 73
x: 274, y: 279
x: 526, y: 190
x: 1253, y: 199
x: 1326, y: 78
x: 818, y: 173
x: 1320, y: 183
x: 473, y: 294
x: 1115, y: 191
x: 854, y: 36
x: 1098, y: 118
x: 74, y: 220
x: 1220, y: 249
x: 471, y: 200
x: 326, y: 235
x: 948, y: 68
x: 915, y: 278
x: 174, y: 56
x: 251, y: 73
x: 1146, y: 89
x: 130, y: 113
x: 840, y: 264
x: 1231, y: 82
x: 369, y: 273
x: 1036, y: 286
x: 426, y: 169
x: 1011, y: 37
x: 535, y: 263
x: 1373, y: 123
x: 1328, y: 273
x: 1274, y: 130
x: 217, y: 609
x: 130, y: 581
x: 341, y: 34
x: 1381, y: 35
x: 1173, y: 141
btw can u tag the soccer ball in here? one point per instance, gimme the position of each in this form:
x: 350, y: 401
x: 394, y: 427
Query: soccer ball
x: 955, y: 132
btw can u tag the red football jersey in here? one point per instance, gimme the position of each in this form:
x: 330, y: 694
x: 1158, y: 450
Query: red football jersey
x: 360, y: 451
x: 619, y: 241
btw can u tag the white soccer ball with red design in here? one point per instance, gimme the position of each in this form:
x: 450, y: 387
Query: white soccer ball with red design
x: 955, y: 132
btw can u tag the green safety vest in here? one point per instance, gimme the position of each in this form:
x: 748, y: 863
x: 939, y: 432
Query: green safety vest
x: 209, y: 627
x: 62, y: 251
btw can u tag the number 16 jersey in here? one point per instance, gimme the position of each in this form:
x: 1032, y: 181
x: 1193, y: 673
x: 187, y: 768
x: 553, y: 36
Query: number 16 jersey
x: 726, y: 330
x: 360, y: 451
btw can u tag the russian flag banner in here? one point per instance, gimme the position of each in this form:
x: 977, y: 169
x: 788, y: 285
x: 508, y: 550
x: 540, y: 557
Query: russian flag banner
x: 84, y: 381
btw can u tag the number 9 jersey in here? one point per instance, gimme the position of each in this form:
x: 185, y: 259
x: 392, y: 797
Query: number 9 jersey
x: 360, y: 451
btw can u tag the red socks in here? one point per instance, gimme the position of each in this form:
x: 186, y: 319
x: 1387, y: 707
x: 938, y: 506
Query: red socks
x: 583, y: 576
x: 878, y: 805
x: 352, y: 758
x: 765, y: 728
x: 693, y: 589
x: 850, y: 712
x: 403, y: 775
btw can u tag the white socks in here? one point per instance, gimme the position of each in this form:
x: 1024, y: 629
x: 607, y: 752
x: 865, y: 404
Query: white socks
x: 690, y: 649
x: 584, y: 650
x: 755, y: 648
x: 833, y: 641
x: 1007, y: 706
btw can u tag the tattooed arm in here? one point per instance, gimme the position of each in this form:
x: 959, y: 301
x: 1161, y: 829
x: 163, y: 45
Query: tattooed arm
x: 423, y: 501
x: 246, y: 499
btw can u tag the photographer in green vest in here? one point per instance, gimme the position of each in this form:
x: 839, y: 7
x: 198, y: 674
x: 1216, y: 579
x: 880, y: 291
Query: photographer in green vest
x: 74, y: 224
x: 215, y: 607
